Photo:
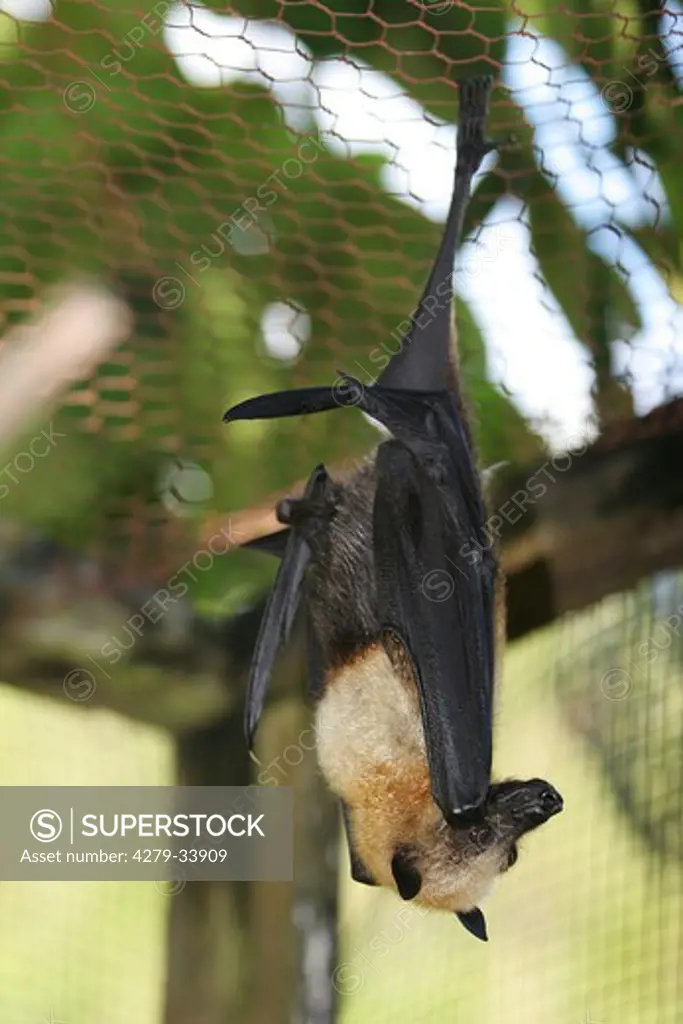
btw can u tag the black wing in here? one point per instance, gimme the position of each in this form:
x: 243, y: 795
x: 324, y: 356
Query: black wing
x: 424, y: 361
x: 278, y: 618
x: 272, y: 543
x: 439, y: 601
x: 475, y: 923
x: 359, y: 872
x: 417, y: 399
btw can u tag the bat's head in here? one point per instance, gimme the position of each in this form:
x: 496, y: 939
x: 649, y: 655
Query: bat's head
x: 511, y: 809
x: 514, y: 808
x: 454, y: 865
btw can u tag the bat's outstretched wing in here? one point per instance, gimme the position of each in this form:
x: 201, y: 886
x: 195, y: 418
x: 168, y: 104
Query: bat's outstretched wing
x: 439, y: 603
x: 278, y: 618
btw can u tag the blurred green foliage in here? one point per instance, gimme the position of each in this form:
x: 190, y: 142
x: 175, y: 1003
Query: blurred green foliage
x: 114, y: 166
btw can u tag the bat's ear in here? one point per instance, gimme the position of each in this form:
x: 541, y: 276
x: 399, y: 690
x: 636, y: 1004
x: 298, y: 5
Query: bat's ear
x: 475, y: 923
x: 406, y: 875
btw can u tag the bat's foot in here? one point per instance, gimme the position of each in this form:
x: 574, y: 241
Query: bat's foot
x: 473, y: 146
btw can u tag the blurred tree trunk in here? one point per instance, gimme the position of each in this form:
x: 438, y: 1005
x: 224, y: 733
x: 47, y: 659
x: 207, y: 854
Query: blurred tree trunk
x: 209, y: 949
x: 295, y: 926
x: 316, y: 882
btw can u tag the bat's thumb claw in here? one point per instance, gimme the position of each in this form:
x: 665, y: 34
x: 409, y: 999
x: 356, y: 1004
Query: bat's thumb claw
x: 283, y: 511
x: 347, y: 390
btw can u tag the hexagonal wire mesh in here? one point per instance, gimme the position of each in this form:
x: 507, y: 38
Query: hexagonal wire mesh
x: 258, y: 183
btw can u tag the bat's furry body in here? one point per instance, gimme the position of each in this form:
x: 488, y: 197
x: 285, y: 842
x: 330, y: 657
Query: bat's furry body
x: 370, y: 737
x: 371, y: 750
x: 403, y: 679
x: 341, y: 583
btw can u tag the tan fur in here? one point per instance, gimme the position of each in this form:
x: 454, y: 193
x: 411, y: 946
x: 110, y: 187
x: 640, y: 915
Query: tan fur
x: 371, y: 750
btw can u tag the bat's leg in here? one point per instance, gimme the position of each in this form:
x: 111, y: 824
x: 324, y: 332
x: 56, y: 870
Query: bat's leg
x: 359, y: 872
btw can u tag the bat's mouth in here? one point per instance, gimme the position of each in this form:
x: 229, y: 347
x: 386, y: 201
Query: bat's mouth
x: 523, y: 806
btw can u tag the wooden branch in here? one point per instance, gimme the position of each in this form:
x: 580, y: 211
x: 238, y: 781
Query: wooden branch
x: 41, y: 359
x: 180, y: 678
x: 577, y: 527
x: 581, y: 527
x: 316, y: 887
x: 572, y: 531
x: 210, y: 960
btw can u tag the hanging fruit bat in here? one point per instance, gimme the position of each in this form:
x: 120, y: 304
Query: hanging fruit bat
x: 401, y: 620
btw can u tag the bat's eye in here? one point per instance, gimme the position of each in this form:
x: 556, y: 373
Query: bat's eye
x: 482, y: 836
x: 512, y: 856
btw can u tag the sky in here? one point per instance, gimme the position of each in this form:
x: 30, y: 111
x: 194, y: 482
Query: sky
x: 532, y: 351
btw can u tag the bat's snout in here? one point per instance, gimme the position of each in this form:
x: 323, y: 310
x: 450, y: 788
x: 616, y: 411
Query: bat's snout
x: 543, y: 800
x: 524, y: 806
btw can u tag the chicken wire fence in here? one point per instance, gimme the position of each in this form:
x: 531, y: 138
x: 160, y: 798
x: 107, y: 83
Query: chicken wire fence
x: 590, y: 930
x: 588, y: 927
x: 212, y: 201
